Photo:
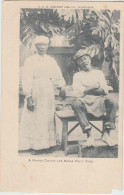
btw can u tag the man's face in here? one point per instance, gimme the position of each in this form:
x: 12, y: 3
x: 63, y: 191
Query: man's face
x: 84, y: 63
x: 42, y: 48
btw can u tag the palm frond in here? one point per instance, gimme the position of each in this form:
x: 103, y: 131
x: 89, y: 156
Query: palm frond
x: 103, y: 17
x: 107, y: 41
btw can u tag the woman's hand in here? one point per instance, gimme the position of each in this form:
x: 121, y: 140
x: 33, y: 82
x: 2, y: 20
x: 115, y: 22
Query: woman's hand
x: 62, y: 93
x: 30, y: 105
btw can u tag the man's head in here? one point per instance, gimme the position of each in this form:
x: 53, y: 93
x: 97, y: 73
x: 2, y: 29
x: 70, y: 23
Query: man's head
x: 83, y: 59
x: 41, y: 44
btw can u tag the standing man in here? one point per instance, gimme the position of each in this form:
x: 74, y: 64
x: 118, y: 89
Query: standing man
x: 91, y: 87
x: 40, y: 75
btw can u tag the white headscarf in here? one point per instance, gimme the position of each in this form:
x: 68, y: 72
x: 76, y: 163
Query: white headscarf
x: 41, y: 39
x: 38, y: 39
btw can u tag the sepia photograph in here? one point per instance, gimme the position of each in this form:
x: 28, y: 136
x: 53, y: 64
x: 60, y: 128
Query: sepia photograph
x: 69, y: 83
x: 62, y: 97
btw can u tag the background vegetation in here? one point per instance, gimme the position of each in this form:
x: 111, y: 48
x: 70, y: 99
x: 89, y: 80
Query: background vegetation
x: 99, y: 31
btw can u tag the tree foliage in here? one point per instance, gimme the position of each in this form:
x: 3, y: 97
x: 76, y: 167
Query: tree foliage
x: 99, y: 31
x: 82, y: 27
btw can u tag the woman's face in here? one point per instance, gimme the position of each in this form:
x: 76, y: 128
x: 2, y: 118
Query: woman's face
x: 84, y: 63
x: 42, y: 48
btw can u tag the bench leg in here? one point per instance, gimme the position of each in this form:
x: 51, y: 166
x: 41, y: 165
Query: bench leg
x: 65, y: 136
x: 79, y: 150
x: 62, y: 142
x: 103, y: 127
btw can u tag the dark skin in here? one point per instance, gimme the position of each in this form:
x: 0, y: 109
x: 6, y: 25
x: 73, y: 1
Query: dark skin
x: 30, y: 105
x: 94, y: 91
x: 42, y: 48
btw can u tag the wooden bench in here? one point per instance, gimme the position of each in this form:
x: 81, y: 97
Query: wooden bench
x: 69, y: 116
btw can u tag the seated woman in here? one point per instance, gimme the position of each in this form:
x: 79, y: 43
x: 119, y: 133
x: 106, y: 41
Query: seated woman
x: 91, y: 89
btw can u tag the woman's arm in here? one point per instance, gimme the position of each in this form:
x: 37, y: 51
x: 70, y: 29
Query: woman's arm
x: 57, y: 76
x: 27, y: 78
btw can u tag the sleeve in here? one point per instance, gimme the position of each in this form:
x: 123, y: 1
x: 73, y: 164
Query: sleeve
x: 103, y: 83
x: 27, y: 78
x: 57, y: 77
x: 77, y: 87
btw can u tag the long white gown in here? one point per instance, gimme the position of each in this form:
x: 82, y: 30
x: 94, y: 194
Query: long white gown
x: 36, y: 129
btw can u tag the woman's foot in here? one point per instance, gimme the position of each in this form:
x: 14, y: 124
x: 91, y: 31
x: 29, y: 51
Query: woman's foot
x: 25, y: 151
x: 35, y: 152
x: 42, y: 151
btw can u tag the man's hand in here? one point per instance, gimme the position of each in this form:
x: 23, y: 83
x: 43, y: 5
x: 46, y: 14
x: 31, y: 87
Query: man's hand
x: 90, y: 90
x: 96, y: 92
x: 30, y: 105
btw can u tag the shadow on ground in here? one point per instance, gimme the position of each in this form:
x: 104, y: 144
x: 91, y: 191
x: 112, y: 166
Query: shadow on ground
x: 89, y: 152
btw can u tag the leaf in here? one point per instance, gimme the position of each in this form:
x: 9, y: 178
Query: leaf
x: 26, y: 39
x: 113, y: 40
x: 95, y: 32
x: 54, y: 29
x: 93, y: 50
x: 102, y: 23
x: 44, y: 27
x: 109, y: 13
x: 76, y: 15
x: 25, y: 31
x: 80, y: 15
x: 103, y: 17
x: 100, y: 33
x: 107, y: 41
x: 116, y: 25
x: 93, y: 28
x: 117, y: 46
x: 106, y: 32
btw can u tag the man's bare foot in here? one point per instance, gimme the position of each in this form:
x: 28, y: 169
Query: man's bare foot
x: 106, y: 138
x: 110, y: 125
x: 90, y: 142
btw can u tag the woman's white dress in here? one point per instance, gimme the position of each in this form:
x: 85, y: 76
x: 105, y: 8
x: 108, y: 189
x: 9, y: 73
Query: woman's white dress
x: 36, y: 129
